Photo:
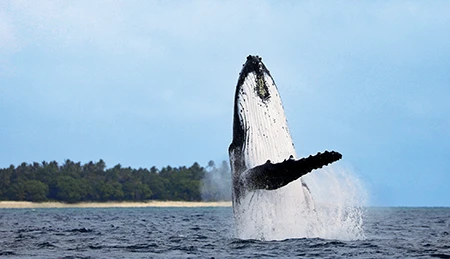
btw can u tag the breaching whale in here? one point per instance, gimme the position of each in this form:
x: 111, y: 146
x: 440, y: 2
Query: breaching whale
x: 262, y: 154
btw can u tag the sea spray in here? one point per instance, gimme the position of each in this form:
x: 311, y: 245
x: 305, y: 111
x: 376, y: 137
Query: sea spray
x: 339, y: 197
x: 333, y: 212
x: 216, y: 184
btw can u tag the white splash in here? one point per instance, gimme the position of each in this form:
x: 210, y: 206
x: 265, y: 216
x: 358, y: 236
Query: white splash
x: 336, y: 210
x: 339, y: 197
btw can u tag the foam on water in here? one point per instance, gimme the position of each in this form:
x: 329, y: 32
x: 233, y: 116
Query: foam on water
x: 333, y: 209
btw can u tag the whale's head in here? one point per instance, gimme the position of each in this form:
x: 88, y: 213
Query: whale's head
x: 260, y: 130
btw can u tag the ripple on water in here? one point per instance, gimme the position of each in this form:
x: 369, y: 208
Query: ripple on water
x: 112, y: 233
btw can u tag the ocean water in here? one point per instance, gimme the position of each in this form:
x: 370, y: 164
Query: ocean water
x: 209, y: 233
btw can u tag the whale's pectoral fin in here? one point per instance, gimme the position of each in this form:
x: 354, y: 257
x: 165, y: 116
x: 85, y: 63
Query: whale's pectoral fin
x: 270, y: 176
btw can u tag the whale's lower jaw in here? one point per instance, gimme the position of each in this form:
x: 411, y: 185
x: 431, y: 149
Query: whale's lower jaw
x: 272, y: 176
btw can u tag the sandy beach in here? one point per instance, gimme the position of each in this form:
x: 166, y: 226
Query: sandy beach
x: 35, y: 205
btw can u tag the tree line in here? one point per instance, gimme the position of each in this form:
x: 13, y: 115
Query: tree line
x: 73, y: 182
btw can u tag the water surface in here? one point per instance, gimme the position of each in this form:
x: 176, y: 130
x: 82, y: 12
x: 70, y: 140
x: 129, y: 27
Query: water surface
x: 208, y: 232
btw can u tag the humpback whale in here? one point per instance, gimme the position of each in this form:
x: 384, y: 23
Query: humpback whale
x: 262, y: 154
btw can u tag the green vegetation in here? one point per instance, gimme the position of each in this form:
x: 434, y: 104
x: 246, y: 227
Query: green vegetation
x: 72, y: 182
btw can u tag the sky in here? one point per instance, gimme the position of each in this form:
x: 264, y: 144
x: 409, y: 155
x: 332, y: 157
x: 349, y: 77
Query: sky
x: 151, y: 83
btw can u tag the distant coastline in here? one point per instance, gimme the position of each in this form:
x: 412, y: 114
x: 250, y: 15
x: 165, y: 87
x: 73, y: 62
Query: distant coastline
x: 40, y: 205
x: 73, y: 182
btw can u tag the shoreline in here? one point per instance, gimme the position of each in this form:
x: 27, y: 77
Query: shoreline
x: 161, y: 204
